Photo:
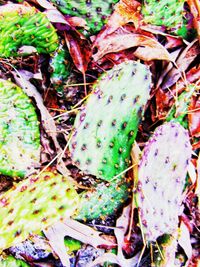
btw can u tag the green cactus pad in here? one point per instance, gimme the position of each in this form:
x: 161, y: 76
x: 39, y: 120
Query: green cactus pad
x: 10, y: 261
x: 95, y: 12
x: 161, y: 179
x: 19, y: 132
x: 60, y: 66
x: 107, y: 125
x: 165, y: 13
x: 33, y: 205
x: 103, y: 200
x: 23, y: 25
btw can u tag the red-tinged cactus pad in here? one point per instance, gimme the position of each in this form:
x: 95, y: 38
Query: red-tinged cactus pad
x: 161, y: 179
x: 19, y: 132
x: 33, y: 205
x: 25, y: 26
x: 107, y: 125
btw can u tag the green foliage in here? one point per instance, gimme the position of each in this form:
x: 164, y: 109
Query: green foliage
x: 10, y: 261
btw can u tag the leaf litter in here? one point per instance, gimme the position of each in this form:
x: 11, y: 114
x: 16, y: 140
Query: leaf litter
x: 174, y: 63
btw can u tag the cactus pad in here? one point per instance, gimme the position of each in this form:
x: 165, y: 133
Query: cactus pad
x: 106, y: 127
x: 23, y: 25
x: 19, y: 131
x: 161, y: 179
x: 103, y: 200
x: 10, y: 261
x: 93, y: 11
x: 164, y: 13
x: 33, y: 205
x: 60, y: 66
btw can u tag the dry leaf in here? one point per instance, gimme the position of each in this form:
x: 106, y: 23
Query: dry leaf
x: 182, y: 63
x: 79, y: 49
x: 184, y: 240
x: 125, y: 11
x: 122, y: 39
x: 195, y: 10
x: 55, y: 16
x: 194, y: 117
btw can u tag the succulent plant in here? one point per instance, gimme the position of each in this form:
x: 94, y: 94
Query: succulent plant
x: 103, y: 200
x: 25, y: 26
x: 19, y: 132
x: 165, y: 13
x: 33, y: 205
x: 161, y: 179
x: 106, y: 127
x: 60, y: 68
x: 10, y: 261
x: 93, y: 11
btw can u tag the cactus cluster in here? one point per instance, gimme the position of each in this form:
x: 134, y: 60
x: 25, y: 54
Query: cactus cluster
x: 19, y: 132
x: 33, y: 205
x: 22, y: 25
x: 93, y: 11
x: 60, y: 68
x: 161, y: 179
x: 107, y: 125
x: 165, y: 13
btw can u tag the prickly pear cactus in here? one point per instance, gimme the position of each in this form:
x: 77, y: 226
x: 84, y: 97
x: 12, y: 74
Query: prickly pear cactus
x: 93, y: 11
x: 60, y: 68
x: 19, y: 132
x: 103, y: 200
x: 161, y: 179
x: 10, y: 261
x: 106, y: 127
x: 33, y: 205
x: 23, y: 25
x: 165, y: 13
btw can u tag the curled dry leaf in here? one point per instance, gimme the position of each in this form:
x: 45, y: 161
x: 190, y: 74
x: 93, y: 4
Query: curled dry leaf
x: 122, y: 39
x: 55, y: 16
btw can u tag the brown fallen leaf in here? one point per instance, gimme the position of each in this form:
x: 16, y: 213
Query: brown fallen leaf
x: 123, y: 39
x: 194, y: 117
x: 79, y: 48
x: 125, y: 11
x: 182, y: 63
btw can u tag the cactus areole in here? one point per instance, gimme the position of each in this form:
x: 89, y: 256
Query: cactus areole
x: 106, y: 127
x: 19, y: 132
x: 25, y: 26
x: 161, y: 179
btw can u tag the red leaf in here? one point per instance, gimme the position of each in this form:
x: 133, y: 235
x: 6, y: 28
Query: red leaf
x: 194, y: 117
x: 79, y: 49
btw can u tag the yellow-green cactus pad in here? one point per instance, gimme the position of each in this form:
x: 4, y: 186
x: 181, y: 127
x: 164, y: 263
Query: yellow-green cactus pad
x: 33, y: 205
x: 19, y: 132
x: 10, y: 261
x: 25, y: 26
